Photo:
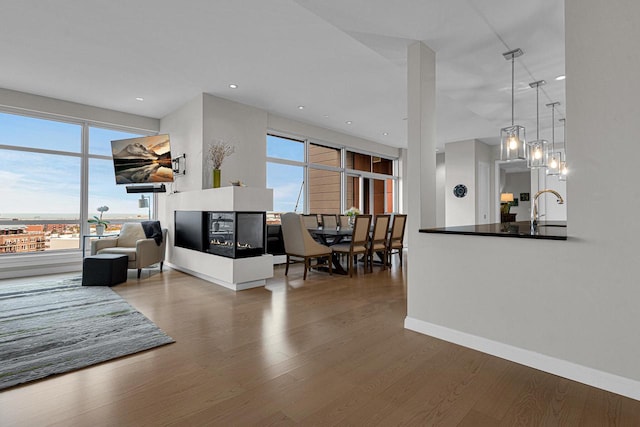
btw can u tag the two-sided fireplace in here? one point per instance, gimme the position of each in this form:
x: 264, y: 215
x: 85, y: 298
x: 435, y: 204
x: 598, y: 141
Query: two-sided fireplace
x: 228, y: 234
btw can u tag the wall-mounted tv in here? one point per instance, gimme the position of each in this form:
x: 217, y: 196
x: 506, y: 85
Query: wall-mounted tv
x: 143, y: 160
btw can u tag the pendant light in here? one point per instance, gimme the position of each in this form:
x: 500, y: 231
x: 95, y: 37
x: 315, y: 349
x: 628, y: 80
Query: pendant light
x: 512, y: 138
x: 564, y: 169
x: 537, y: 149
x: 555, y: 156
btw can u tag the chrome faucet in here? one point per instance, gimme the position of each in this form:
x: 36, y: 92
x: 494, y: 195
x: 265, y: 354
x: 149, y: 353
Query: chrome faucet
x: 534, y: 212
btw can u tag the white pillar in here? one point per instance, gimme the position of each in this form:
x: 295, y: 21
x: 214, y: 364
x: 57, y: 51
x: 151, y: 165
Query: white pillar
x: 421, y: 131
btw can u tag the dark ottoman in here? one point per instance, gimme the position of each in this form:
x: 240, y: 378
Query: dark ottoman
x: 104, y: 270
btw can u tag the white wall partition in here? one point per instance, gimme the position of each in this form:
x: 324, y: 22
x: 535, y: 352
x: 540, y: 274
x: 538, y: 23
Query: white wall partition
x: 567, y: 307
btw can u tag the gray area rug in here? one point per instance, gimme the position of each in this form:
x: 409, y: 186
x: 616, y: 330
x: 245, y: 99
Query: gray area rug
x: 48, y: 328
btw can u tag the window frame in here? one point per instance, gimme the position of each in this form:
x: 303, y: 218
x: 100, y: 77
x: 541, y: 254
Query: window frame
x: 84, y: 157
x: 344, y: 172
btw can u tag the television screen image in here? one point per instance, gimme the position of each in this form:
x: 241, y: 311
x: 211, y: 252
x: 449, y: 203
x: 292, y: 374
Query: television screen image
x: 142, y: 160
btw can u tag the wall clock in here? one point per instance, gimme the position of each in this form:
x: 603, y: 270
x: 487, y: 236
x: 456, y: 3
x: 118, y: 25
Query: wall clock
x: 460, y: 190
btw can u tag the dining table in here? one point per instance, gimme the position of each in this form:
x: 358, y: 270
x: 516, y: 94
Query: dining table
x: 333, y: 236
x: 329, y: 237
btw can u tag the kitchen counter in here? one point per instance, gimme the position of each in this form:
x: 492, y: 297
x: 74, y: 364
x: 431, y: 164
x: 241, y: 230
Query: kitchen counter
x: 553, y: 230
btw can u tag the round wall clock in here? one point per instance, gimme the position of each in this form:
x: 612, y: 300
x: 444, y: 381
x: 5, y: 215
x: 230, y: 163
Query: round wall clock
x: 460, y: 190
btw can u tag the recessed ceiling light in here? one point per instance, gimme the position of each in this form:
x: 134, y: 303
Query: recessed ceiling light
x: 348, y: 122
x: 562, y: 77
x: 326, y: 116
x: 139, y: 99
x: 385, y: 133
x: 300, y: 107
x: 233, y: 86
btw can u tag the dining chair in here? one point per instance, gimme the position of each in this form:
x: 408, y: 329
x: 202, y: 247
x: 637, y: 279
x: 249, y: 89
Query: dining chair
x: 378, y: 241
x: 310, y: 220
x: 329, y: 222
x: 298, y: 243
x: 358, y: 244
x: 397, y: 236
x: 344, y: 221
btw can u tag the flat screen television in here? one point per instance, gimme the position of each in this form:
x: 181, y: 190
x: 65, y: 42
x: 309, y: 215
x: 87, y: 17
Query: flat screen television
x: 144, y: 160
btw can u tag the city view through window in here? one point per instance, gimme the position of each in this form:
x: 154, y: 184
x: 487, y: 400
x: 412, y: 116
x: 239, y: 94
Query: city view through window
x: 41, y: 199
x: 309, y: 177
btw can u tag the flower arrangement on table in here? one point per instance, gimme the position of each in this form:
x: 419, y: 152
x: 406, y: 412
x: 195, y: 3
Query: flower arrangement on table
x: 100, y: 223
x: 352, y: 211
x: 218, y: 151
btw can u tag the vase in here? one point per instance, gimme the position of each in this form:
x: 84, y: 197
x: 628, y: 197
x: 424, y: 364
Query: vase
x: 216, y: 178
x: 99, y: 229
x: 352, y: 220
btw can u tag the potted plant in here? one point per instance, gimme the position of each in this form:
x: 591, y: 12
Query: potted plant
x: 351, y: 213
x: 100, y: 223
x: 218, y: 151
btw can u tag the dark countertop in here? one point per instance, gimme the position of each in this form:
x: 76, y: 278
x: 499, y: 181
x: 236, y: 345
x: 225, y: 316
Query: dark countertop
x: 554, y: 230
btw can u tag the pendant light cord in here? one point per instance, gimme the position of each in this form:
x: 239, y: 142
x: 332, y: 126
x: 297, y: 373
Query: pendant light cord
x: 538, y: 112
x: 564, y: 137
x: 553, y: 128
x: 513, y: 61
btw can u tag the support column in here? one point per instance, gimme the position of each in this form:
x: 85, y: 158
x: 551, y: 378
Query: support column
x: 421, y: 131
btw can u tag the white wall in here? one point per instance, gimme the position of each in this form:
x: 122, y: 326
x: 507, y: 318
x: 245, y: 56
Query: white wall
x: 245, y: 128
x: 464, y: 159
x: 569, y: 307
x: 484, y: 160
x: 460, y: 170
x: 441, y: 176
x: 185, y: 128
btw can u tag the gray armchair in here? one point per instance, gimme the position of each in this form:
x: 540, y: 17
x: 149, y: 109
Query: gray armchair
x: 142, y: 251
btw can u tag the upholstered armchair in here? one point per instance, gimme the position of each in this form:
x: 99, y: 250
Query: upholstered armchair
x: 298, y: 243
x: 132, y: 241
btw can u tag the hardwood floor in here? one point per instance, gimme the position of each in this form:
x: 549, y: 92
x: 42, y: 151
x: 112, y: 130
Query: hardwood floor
x: 325, y: 351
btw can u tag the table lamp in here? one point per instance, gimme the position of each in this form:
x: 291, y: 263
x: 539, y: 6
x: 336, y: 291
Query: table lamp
x: 505, y: 202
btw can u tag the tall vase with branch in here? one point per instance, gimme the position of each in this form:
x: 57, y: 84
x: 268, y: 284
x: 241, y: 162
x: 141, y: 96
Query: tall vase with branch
x: 218, y: 151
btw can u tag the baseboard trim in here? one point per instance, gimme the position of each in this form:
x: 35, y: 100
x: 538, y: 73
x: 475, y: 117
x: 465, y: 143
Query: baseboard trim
x: 593, y: 377
x: 233, y: 286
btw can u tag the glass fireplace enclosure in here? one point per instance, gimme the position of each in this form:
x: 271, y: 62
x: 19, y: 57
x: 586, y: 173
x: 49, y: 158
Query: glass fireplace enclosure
x: 227, y: 234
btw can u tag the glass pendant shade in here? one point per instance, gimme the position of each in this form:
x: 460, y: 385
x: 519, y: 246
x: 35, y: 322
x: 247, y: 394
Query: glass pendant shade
x: 512, y: 143
x: 512, y: 138
x: 537, y: 150
x: 564, y: 171
x: 564, y: 168
x: 554, y: 162
x: 554, y: 156
x: 537, y: 153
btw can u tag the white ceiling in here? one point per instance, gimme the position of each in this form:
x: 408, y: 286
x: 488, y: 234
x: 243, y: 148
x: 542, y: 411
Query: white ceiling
x: 341, y: 59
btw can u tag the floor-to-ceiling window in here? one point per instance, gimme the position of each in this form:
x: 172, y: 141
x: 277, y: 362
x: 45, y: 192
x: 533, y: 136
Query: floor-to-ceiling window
x: 285, y: 174
x: 55, y: 174
x: 371, y: 183
x: 310, y: 176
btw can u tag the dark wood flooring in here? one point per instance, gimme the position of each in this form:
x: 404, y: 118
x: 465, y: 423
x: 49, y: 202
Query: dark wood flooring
x: 326, y: 351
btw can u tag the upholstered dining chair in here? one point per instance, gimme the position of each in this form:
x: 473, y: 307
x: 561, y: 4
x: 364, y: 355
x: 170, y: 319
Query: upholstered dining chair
x: 397, y: 236
x: 329, y: 222
x: 133, y: 242
x: 310, y: 221
x: 344, y: 221
x: 378, y: 241
x: 298, y: 243
x: 358, y: 243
